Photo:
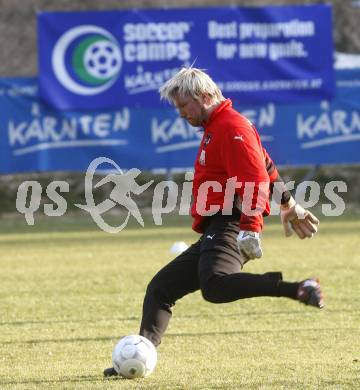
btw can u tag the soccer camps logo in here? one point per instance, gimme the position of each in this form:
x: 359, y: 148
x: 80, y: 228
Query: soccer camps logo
x: 86, y: 60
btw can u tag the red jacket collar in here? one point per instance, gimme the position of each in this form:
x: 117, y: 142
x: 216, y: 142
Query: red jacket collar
x: 222, y: 106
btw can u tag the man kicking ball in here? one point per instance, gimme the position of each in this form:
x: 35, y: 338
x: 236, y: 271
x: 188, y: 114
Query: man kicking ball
x: 229, y: 221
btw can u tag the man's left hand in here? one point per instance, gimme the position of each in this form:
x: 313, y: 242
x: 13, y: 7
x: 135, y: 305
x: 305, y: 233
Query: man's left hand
x: 295, y: 218
x: 249, y: 244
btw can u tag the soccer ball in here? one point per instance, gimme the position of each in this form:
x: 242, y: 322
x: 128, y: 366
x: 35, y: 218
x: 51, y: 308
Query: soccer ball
x: 102, y: 59
x: 134, y: 357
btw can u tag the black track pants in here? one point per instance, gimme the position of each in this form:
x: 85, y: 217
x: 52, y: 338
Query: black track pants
x: 213, y: 265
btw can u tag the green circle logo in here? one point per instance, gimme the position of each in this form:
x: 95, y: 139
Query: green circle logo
x: 96, y: 60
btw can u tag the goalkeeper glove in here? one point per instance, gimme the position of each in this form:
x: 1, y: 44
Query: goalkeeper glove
x: 249, y: 244
x: 295, y: 218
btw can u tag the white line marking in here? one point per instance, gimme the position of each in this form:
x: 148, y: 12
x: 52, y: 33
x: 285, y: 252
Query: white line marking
x: 68, y: 144
x: 329, y: 141
x: 179, y: 146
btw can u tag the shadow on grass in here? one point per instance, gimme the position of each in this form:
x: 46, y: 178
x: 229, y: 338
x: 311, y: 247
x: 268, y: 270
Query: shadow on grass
x: 178, y: 317
x: 88, y: 321
x: 261, y: 331
x: 84, y: 223
x: 105, y: 238
x: 189, y: 334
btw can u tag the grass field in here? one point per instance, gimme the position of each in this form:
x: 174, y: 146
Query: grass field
x: 69, y: 291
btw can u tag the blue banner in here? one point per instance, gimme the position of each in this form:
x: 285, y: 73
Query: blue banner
x: 112, y: 59
x: 35, y: 138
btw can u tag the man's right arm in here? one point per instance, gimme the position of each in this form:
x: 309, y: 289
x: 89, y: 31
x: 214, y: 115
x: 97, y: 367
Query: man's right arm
x: 293, y: 216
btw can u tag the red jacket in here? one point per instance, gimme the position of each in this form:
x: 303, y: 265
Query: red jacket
x: 231, y: 148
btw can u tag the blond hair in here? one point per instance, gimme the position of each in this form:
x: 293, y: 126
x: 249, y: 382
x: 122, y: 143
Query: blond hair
x: 191, y: 82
